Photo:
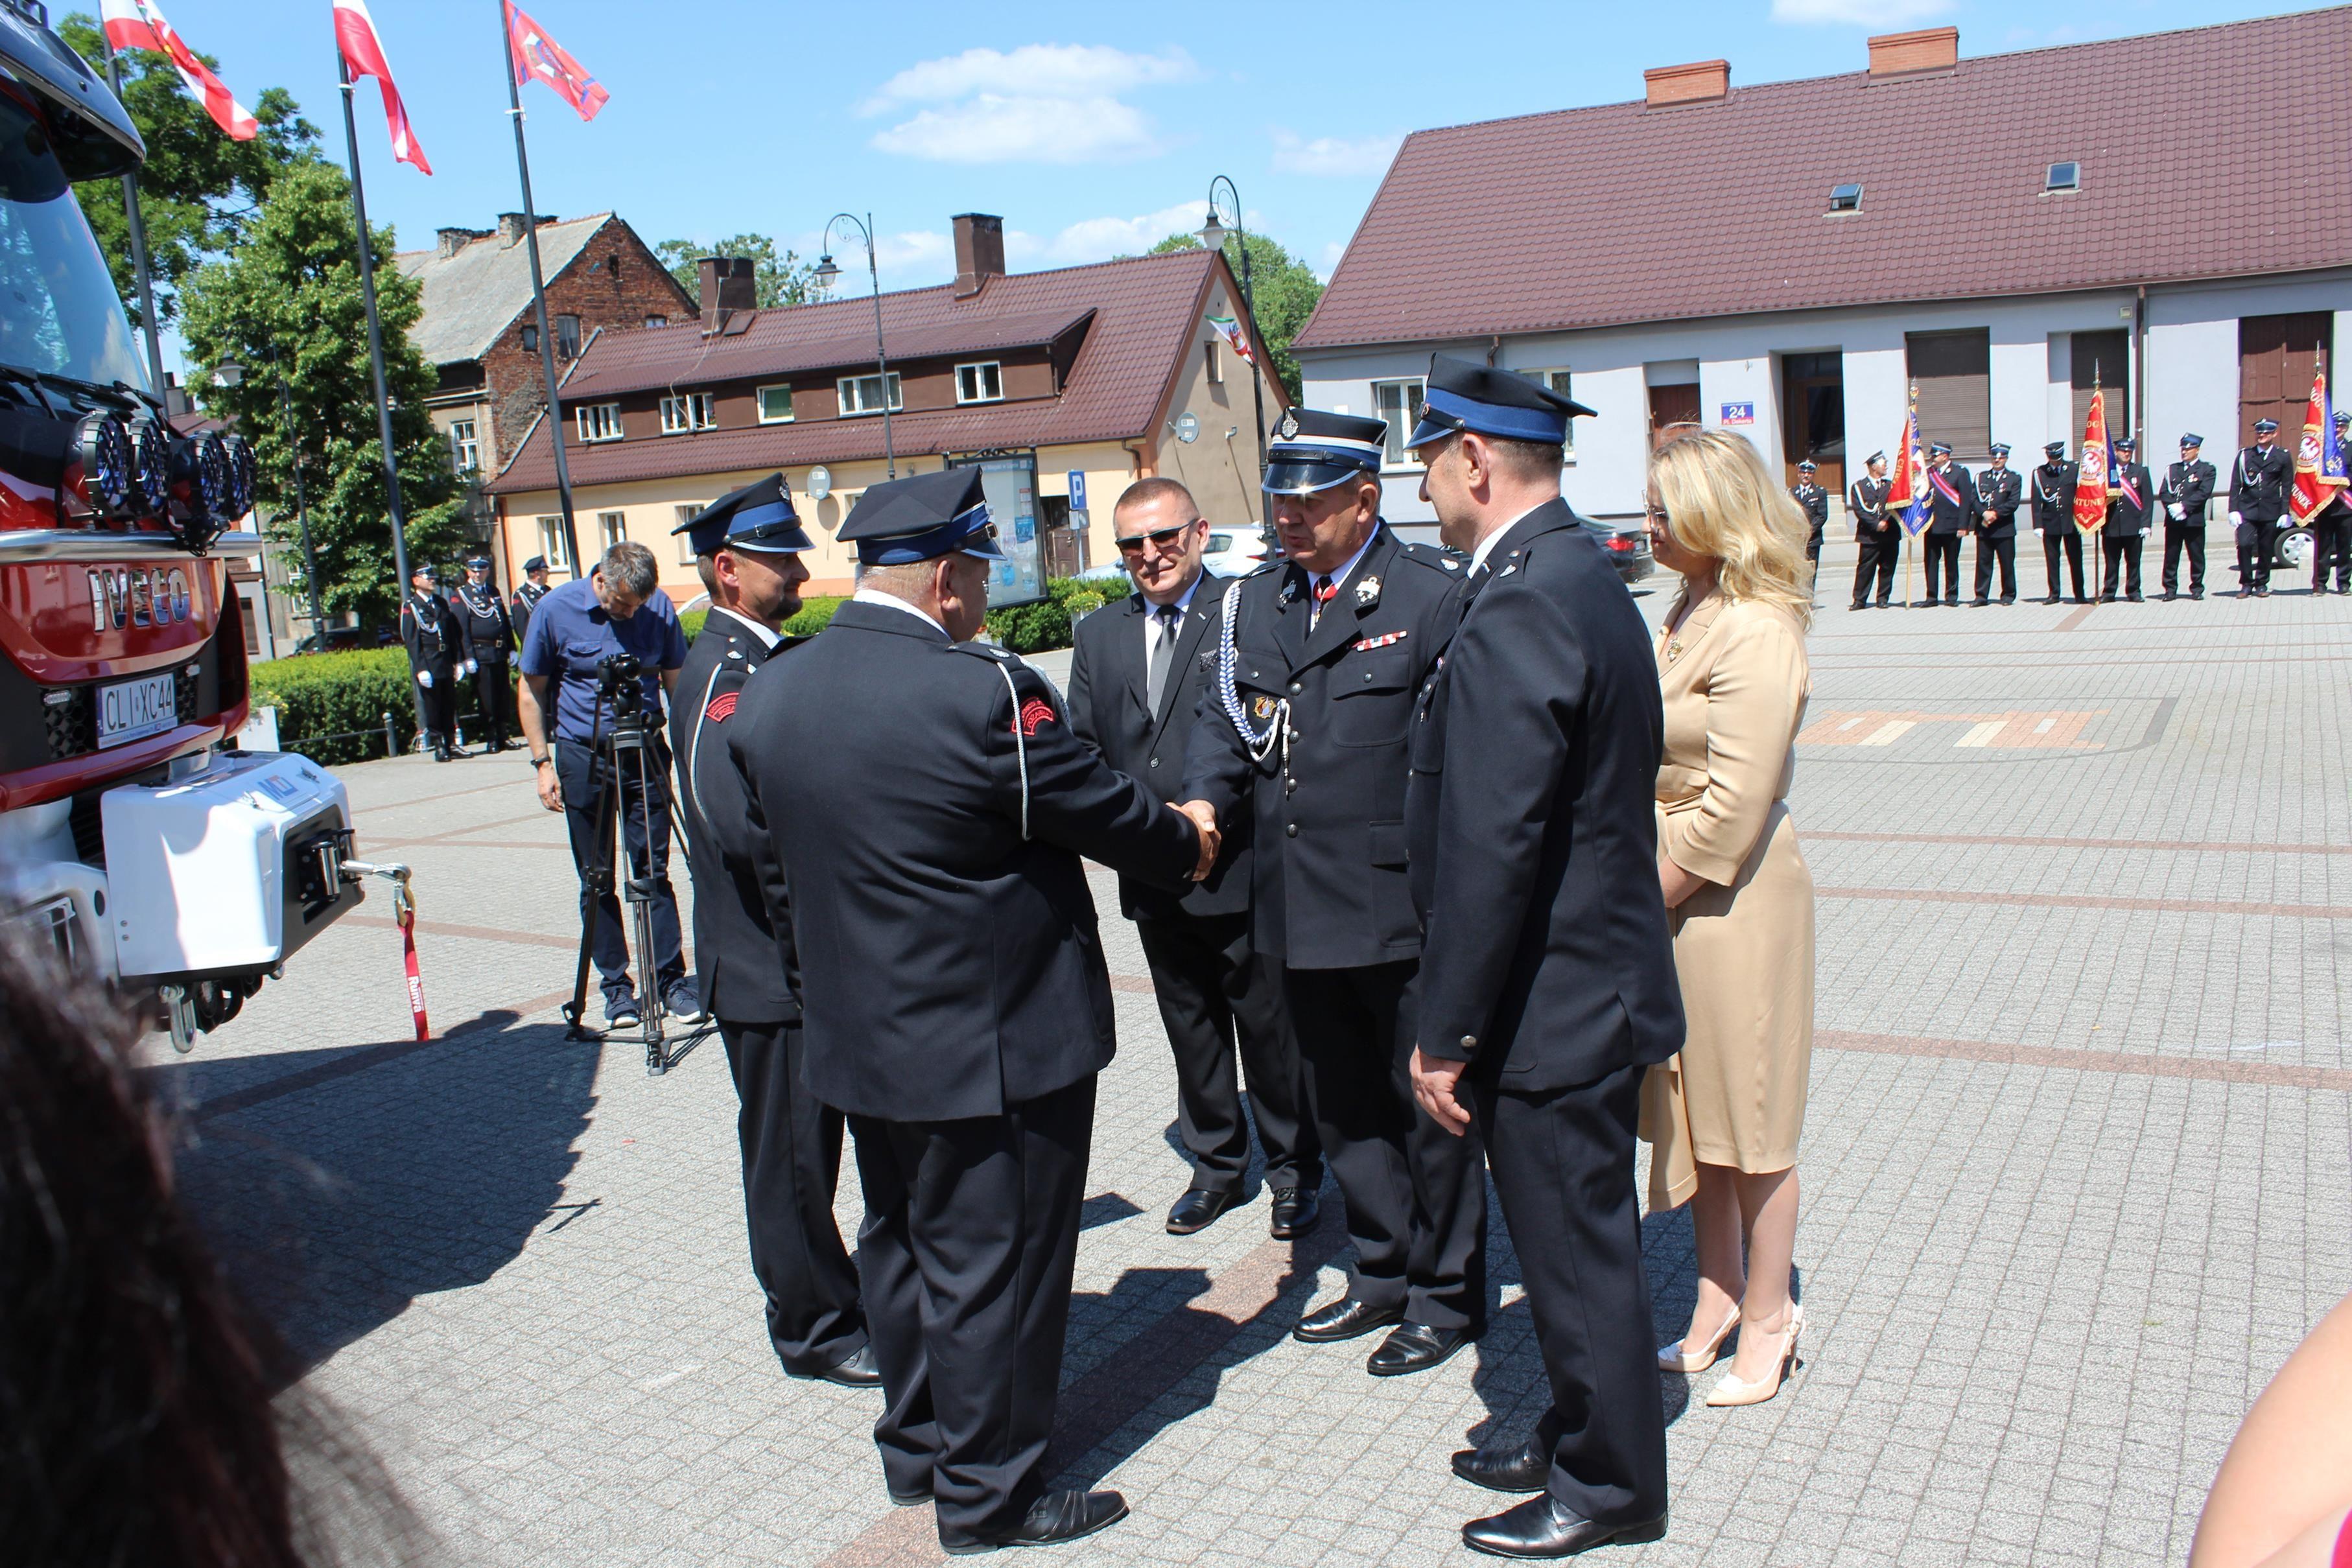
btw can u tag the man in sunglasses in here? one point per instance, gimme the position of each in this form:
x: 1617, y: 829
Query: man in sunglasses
x: 1136, y: 677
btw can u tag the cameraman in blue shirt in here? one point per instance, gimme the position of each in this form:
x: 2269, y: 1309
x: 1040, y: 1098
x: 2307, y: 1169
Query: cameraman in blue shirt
x: 617, y: 611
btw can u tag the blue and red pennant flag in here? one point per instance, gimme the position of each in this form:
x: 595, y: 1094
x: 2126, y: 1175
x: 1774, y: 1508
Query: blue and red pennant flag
x: 1908, y: 498
x: 2319, y: 475
x: 540, y: 57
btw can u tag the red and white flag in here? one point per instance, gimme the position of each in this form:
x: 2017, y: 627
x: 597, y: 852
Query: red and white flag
x: 137, y: 25
x: 363, y: 53
x: 537, y: 56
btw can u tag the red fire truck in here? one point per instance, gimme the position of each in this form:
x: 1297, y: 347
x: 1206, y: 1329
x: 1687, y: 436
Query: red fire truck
x: 133, y: 834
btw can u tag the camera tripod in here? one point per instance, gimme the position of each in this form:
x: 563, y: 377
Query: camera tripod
x: 631, y: 750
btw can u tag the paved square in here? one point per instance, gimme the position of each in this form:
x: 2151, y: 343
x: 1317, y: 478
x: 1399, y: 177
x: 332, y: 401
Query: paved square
x: 2074, y: 1169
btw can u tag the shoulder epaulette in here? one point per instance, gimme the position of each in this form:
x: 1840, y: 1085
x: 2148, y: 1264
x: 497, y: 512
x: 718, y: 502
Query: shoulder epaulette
x: 989, y: 651
x: 1451, y: 562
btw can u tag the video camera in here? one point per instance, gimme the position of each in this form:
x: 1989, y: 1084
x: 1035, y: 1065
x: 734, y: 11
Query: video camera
x: 620, y: 685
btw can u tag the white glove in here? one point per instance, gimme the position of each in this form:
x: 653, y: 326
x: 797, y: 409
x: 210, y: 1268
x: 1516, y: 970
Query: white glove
x: 2237, y: 521
x: 425, y: 677
x: 2177, y: 515
x: 471, y: 667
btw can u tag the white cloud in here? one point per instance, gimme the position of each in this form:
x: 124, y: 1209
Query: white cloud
x: 1043, y: 103
x: 1332, y: 251
x: 1859, y: 13
x: 1293, y: 154
x: 1034, y: 70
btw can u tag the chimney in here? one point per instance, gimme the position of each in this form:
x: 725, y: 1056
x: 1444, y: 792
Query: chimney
x: 729, y: 285
x: 1914, y: 54
x: 978, y: 250
x: 455, y: 240
x: 1707, y: 81
x: 511, y: 226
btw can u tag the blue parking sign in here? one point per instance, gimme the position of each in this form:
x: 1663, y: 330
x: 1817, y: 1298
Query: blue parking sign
x: 1077, y: 490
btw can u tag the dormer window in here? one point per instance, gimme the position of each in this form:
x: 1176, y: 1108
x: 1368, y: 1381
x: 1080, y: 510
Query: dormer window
x: 2067, y: 176
x: 1845, y: 198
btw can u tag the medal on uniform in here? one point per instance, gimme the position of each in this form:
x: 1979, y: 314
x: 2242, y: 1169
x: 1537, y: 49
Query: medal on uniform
x: 1261, y: 707
x: 1367, y: 594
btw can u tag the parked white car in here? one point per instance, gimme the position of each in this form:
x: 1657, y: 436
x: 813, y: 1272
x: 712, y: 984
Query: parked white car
x: 1236, y: 552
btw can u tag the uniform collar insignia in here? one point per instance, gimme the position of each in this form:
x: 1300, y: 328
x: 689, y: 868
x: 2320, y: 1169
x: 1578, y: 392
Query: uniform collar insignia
x: 1367, y: 592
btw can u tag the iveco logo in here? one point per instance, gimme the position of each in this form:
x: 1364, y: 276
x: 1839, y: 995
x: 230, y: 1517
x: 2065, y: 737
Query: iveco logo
x: 137, y: 596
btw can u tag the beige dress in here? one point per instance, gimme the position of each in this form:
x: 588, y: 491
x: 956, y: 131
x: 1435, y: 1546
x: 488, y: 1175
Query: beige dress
x: 1735, y: 681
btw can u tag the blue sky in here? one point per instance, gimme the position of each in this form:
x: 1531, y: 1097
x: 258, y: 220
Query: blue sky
x: 1093, y: 130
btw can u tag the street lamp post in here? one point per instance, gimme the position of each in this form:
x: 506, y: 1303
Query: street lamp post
x: 229, y: 373
x: 1212, y: 235
x: 825, y: 274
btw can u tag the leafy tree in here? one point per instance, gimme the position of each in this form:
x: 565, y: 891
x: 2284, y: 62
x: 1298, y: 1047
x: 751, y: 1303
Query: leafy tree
x: 781, y: 280
x: 198, y: 190
x: 1285, y: 291
x: 294, y: 283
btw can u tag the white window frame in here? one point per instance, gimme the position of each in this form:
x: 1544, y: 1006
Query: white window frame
x: 612, y: 527
x: 656, y: 320
x: 465, y: 445
x: 760, y: 400
x: 684, y: 412
x: 1397, y: 454
x: 1559, y: 379
x: 844, y: 390
x: 597, y: 421
x: 551, y: 544
x: 686, y: 541
x: 992, y: 368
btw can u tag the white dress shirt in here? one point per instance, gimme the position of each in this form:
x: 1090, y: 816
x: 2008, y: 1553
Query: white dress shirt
x: 876, y: 596
x: 767, y: 638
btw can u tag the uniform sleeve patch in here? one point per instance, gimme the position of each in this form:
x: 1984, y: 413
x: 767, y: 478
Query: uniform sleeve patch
x: 722, y: 708
x: 1035, y: 712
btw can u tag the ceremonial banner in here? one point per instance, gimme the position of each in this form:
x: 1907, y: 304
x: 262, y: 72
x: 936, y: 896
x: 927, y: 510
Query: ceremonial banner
x: 2319, y: 475
x: 1908, y: 498
x: 137, y: 25
x: 363, y: 56
x: 1231, y: 332
x: 538, y: 56
x: 2092, y: 485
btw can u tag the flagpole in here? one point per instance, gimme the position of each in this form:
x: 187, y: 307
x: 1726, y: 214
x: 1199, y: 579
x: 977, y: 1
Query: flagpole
x: 138, y: 236
x: 376, y: 345
x: 539, y: 298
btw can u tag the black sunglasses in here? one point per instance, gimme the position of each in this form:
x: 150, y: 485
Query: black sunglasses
x: 1161, y: 540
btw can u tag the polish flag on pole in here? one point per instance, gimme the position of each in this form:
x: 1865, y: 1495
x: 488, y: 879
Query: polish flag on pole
x: 538, y: 56
x: 363, y: 53
x: 136, y: 25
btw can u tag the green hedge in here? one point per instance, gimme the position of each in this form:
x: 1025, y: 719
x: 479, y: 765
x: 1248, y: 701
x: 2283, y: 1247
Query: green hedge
x: 814, y: 615
x: 1034, y: 628
x: 322, y: 698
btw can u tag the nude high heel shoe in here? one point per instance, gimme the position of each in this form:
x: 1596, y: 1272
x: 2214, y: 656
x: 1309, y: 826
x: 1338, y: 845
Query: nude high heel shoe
x: 1732, y: 1391
x: 1679, y: 1357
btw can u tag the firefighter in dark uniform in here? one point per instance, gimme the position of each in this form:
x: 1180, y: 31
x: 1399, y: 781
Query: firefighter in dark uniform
x: 2053, y: 515
x: 1814, y: 502
x: 2188, y: 486
x: 2129, y: 506
x: 1307, y: 723
x: 2331, y: 528
x: 2259, y: 482
x: 1877, y: 533
x: 1999, y: 493
x: 489, y: 641
x: 428, y: 628
x: 930, y: 804
x: 526, y: 597
x: 1952, y: 506
x: 747, y: 546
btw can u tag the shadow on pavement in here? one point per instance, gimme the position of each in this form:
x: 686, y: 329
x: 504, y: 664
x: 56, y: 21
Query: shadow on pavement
x: 340, y: 1189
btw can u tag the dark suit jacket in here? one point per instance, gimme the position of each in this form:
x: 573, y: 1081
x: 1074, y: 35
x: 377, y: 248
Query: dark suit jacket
x: 2053, y: 495
x: 1946, y: 517
x: 428, y: 628
x: 1866, y: 500
x: 1108, y: 680
x: 2125, y: 516
x: 1999, y: 493
x: 1547, y: 960
x: 526, y: 599
x: 483, y: 624
x: 1328, y: 890
x: 949, y: 966
x: 2192, y: 484
x: 2259, y: 482
x: 743, y: 958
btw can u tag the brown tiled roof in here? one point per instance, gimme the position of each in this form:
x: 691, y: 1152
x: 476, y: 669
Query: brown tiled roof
x: 1144, y: 309
x: 2215, y: 151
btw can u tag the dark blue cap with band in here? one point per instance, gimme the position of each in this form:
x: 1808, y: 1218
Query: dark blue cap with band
x: 922, y: 517
x: 2266, y: 427
x: 536, y: 563
x: 1463, y: 395
x: 1313, y: 449
x: 1998, y: 449
x: 2198, y: 440
x: 2056, y: 449
x: 759, y: 517
x: 1939, y: 449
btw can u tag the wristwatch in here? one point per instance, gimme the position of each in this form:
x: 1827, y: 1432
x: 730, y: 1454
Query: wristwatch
x: 541, y: 761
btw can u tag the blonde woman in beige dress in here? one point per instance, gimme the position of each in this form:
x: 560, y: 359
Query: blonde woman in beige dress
x: 1724, y: 1114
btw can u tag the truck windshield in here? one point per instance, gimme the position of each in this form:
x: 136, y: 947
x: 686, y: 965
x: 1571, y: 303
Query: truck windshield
x: 59, y: 312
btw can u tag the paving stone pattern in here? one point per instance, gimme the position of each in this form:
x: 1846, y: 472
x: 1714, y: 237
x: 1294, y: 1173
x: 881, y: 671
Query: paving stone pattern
x: 2074, y: 1172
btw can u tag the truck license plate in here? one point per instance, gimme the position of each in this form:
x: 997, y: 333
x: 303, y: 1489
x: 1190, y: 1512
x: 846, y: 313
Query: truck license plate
x: 129, y: 709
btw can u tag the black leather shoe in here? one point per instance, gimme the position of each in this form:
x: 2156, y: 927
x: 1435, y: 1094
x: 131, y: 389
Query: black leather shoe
x: 1294, y: 1210
x: 1980, y: 604
x: 1416, y: 1347
x: 2135, y: 598
x: 1198, y: 1209
x: 2053, y: 599
x: 1543, y: 1527
x: 1527, y: 1468
x: 1346, y: 1318
x: 1056, y: 1517
x: 907, y: 1499
x: 860, y: 1371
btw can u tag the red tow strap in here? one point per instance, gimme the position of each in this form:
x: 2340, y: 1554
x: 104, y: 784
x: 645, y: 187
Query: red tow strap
x: 405, y: 912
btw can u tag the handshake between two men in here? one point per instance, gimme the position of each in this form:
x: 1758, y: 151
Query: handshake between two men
x: 1204, y: 818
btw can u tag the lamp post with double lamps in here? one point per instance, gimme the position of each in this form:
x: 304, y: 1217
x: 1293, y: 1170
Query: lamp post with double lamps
x: 825, y: 274
x: 1212, y: 235
x: 229, y: 373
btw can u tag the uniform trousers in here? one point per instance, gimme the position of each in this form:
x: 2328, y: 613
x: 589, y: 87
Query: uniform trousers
x: 971, y: 1229
x: 1215, y: 994
x: 438, y: 705
x: 1416, y: 1195
x: 1563, y: 1162
x: 792, y: 1162
x: 2004, y: 550
x: 2067, y: 539
x: 2257, y: 542
x: 2331, y: 549
x: 2122, y: 551
x: 2181, y: 539
x: 1944, y: 548
x: 494, y: 699
x: 1881, y: 551
x: 644, y: 835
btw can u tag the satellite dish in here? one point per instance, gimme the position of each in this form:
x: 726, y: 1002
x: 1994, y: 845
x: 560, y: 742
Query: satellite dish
x: 820, y: 483
x: 1188, y: 427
